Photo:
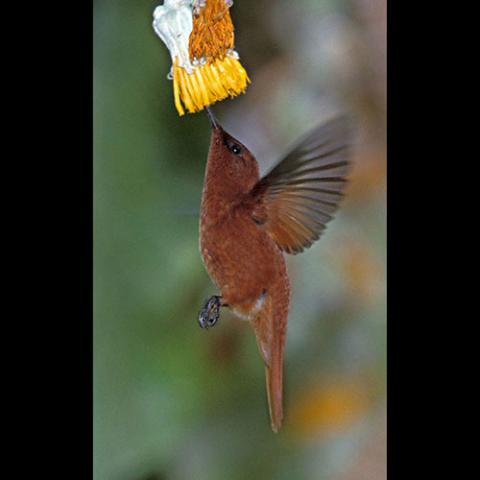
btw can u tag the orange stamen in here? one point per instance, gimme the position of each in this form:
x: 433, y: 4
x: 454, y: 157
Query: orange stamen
x: 212, y: 35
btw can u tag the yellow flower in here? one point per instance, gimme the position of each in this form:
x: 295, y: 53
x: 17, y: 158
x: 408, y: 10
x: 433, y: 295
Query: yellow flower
x: 205, y: 66
x: 332, y: 406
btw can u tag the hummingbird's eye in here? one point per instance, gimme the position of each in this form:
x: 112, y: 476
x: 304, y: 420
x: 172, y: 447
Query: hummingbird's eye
x: 234, y: 147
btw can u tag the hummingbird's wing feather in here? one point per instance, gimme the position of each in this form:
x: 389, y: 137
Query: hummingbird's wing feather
x: 296, y: 199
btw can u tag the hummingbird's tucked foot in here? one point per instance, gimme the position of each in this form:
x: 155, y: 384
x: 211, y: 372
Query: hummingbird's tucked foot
x: 210, y: 312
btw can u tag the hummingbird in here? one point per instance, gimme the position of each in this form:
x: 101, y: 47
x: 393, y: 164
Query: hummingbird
x: 248, y: 223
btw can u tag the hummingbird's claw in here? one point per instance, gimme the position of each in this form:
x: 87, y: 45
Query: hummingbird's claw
x: 210, y: 312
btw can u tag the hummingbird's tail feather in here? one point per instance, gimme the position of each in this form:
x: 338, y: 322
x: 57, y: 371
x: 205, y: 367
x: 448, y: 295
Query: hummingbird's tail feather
x: 274, y: 380
x: 270, y: 325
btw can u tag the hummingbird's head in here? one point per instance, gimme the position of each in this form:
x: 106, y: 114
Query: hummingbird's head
x: 230, y: 161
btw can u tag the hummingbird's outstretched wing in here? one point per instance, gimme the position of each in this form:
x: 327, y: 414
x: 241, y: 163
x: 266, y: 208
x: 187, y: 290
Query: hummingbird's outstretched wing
x: 297, y: 198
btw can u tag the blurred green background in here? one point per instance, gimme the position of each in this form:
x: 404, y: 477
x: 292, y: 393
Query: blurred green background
x: 172, y: 401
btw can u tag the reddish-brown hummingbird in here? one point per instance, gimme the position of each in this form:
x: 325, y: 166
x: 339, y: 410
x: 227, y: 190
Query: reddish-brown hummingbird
x: 247, y: 223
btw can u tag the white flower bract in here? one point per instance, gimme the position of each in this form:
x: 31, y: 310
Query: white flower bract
x: 173, y: 23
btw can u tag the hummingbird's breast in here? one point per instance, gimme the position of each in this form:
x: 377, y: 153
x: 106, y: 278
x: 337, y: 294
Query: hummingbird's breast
x: 240, y: 258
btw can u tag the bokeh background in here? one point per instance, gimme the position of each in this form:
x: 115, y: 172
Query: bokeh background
x: 172, y: 401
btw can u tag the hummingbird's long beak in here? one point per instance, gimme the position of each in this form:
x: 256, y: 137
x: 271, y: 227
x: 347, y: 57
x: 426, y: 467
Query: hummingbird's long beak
x: 211, y: 117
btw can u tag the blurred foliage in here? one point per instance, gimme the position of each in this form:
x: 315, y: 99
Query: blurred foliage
x: 172, y: 401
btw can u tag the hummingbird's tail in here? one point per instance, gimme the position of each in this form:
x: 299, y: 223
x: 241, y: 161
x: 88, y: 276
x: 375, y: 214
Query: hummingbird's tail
x: 274, y: 380
x: 270, y: 328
